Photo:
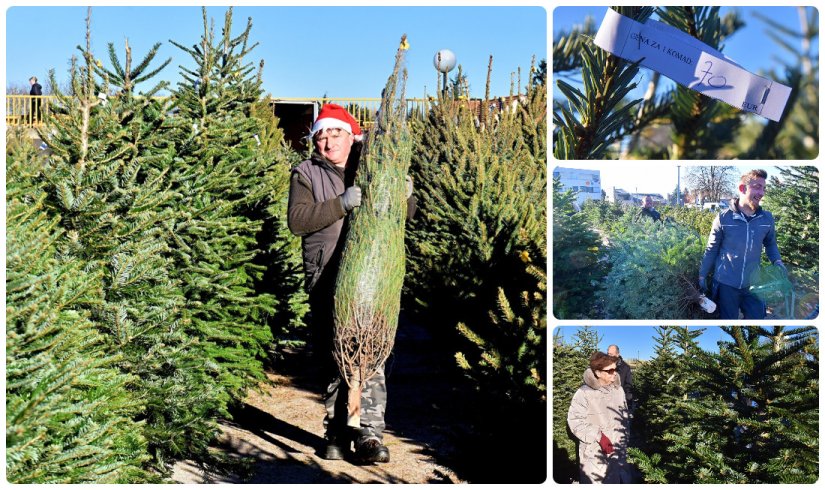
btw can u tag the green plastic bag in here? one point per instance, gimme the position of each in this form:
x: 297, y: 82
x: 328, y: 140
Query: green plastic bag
x: 770, y: 283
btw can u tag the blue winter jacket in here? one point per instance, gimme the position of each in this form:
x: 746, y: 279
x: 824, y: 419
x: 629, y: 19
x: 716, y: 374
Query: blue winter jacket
x: 735, y: 244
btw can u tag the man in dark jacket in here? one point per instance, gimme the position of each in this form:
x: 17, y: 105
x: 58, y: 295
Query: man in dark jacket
x: 648, y: 210
x: 625, y: 374
x: 321, y: 195
x: 37, y: 92
x: 734, y: 250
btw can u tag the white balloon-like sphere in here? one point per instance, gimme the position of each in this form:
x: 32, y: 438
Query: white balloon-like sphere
x: 447, y: 60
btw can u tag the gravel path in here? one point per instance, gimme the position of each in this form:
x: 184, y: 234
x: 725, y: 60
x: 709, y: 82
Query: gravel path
x: 281, y: 428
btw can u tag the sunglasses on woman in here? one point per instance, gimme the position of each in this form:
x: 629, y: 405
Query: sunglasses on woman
x: 608, y: 371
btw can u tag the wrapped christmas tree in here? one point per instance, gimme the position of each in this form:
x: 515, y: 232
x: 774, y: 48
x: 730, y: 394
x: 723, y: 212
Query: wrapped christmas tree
x: 368, y: 287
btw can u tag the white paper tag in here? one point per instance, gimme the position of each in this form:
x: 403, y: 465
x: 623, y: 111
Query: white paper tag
x: 691, y: 63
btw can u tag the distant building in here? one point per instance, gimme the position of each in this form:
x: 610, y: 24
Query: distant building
x: 620, y: 196
x: 586, y: 182
x: 657, y: 199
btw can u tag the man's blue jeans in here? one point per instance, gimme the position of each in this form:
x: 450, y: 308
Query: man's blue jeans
x: 730, y: 300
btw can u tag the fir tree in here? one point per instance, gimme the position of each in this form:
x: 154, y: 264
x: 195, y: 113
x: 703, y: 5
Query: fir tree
x: 701, y: 125
x: 748, y: 414
x: 796, y: 135
x: 794, y: 200
x: 510, y: 360
x: 576, y: 249
x: 279, y: 249
x: 223, y: 180
x: 484, y: 188
x: 663, y: 385
x: 69, y: 410
x: 108, y: 177
x: 596, y: 117
x: 653, y: 277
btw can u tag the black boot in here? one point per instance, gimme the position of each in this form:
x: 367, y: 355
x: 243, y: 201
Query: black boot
x: 337, y: 447
x: 369, y: 449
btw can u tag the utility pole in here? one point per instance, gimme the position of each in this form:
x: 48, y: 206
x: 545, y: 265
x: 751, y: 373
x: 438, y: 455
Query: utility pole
x: 678, y: 184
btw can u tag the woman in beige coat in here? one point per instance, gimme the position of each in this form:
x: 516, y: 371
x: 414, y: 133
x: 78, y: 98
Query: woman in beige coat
x: 598, y: 418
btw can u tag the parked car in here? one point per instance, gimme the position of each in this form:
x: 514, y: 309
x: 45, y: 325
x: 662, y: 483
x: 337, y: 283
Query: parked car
x: 715, y: 206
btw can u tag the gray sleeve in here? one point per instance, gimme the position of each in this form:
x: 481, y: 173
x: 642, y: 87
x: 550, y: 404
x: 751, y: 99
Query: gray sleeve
x: 577, y: 420
x: 304, y: 215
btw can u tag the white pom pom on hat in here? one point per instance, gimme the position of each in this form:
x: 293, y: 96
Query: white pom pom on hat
x: 335, y: 116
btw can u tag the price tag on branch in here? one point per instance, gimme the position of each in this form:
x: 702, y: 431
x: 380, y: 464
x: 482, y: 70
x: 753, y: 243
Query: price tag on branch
x: 691, y: 63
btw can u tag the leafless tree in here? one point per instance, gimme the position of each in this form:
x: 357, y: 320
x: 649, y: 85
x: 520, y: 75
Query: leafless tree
x: 712, y: 181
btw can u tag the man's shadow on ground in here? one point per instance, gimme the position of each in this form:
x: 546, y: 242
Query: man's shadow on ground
x: 423, y: 409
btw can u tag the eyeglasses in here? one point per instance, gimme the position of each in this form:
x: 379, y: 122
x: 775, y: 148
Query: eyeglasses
x: 608, y: 371
x: 331, y: 133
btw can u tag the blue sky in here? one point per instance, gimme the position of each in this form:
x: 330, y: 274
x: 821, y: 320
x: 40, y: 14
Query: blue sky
x: 750, y: 46
x: 637, y: 342
x: 308, y: 51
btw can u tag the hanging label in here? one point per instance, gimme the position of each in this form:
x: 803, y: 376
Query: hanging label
x: 691, y: 63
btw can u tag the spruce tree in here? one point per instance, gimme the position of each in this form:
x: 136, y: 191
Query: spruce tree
x: 69, y: 409
x: 477, y: 244
x: 483, y: 188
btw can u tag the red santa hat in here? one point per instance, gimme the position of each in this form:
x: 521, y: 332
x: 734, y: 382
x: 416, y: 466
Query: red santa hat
x: 335, y: 116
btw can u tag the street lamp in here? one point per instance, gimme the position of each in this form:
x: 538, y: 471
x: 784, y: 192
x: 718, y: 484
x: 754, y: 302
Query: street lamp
x: 444, y: 62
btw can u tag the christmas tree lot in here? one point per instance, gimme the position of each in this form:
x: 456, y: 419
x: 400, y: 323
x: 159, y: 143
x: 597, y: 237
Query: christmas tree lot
x: 476, y: 254
x: 610, y: 262
x: 166, y: 212
x: 599, y: 114
x: 153, y: 284
x: 744, y: 412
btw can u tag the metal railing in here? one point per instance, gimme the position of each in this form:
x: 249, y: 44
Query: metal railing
x: 28, y: 110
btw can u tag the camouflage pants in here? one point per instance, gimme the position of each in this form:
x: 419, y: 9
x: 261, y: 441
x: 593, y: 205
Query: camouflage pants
x: 374, y: 394
x: 373, y: 405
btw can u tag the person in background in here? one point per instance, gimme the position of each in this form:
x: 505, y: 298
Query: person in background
x: 648, y: 210
x: 625, y: 373
x: 37, y: 92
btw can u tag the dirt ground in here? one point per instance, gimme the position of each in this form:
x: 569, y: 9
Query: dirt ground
x: 281, y: 429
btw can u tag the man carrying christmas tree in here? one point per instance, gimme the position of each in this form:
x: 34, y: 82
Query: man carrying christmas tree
x: 321, y: 194
x: 734, y: 250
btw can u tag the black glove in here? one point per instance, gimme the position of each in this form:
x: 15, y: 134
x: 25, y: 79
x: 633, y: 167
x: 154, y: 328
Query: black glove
x: 351, y: 198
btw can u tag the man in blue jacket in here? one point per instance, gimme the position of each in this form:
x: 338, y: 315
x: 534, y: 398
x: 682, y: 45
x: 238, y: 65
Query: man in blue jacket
x: 734, y: 250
